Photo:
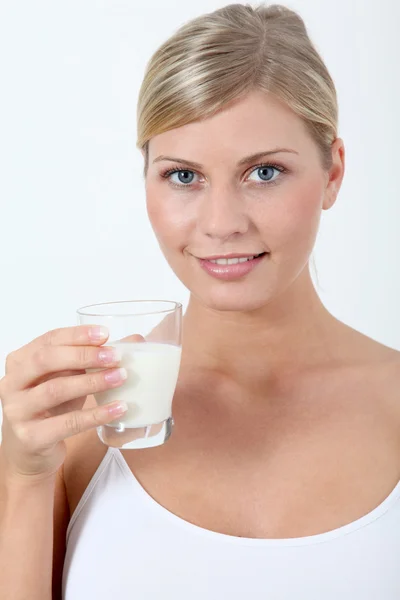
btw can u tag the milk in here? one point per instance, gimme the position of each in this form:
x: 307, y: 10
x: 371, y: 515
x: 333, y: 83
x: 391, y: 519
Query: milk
x: 152, y: 370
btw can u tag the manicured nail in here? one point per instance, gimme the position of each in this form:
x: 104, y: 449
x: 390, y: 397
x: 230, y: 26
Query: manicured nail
x: 117, y: 408
x: 98, y: 332
x: 116, y: 375
x: 109, y: 355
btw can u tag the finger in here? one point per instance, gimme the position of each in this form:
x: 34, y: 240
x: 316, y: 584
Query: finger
x: 66, y: 407
x: 56, y: 429
x: 136, y: 337
x: 47, y: 361
x: 69, y: 405
x: 56, y: 391
x: 48, y: 376
x: 67, y: 336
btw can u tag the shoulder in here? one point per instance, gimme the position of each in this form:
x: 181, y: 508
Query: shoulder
x: 381, y: 369
x: 388, y: 399
x: 364, y: 355
x: 363, y: 371
x: 85, y: 452
x: 379, y: 378
x: 390, y: 378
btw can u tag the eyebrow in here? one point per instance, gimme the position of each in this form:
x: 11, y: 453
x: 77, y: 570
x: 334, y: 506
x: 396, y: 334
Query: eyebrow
x: 243, y: 161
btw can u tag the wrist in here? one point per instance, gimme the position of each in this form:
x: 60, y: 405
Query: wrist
x: 15, y: 480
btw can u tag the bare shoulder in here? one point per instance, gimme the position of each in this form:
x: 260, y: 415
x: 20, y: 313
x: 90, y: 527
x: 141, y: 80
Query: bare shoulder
x: 358, y: 346
x: 391, y: 382
x: 384, y: 382
x: 84, y: 454
x: 378, y: 366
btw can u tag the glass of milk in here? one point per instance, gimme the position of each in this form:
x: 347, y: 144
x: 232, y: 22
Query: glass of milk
x: 147, y: 334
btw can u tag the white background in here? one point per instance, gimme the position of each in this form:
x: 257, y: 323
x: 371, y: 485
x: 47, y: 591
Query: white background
x: 74, y: 229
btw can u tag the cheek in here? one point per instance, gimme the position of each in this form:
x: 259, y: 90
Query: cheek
x: 167, y: 219
x: 293, y: 224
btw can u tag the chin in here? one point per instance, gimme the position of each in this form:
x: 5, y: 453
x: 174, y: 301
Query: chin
x: 234, y: 300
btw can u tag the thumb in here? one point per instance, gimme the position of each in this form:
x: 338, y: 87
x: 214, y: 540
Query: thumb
x: 136, y: 337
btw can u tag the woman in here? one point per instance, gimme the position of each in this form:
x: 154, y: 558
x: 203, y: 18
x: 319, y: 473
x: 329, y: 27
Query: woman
x: 281, y: 478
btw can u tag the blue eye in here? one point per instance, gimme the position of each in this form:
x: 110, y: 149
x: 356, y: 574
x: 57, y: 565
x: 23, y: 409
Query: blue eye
x: 186, y: 176
x: 262, y: 172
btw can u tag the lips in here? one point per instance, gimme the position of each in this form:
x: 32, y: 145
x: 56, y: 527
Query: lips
x: 231, y: 267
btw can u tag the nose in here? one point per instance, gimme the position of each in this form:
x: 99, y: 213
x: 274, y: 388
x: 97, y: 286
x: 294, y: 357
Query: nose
x: 222, y: 214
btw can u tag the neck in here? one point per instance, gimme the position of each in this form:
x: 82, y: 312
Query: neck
x: 292, y: 332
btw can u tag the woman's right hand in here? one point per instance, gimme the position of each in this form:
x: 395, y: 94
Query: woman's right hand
x: 43, y: 392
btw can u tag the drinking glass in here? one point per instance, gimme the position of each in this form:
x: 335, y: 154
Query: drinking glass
x: 148, y: 335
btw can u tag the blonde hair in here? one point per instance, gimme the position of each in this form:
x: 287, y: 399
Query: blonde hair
x: 221, y: 56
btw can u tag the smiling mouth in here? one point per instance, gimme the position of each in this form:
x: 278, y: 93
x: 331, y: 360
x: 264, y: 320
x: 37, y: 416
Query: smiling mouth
x: 234, y: 260
x: 232, y: 267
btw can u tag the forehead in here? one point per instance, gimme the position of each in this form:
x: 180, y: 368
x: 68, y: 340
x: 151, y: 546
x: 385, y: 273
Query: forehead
x: 258, y: 121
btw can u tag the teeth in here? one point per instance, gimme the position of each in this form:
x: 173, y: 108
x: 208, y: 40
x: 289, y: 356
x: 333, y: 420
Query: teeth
x: 231, y: 261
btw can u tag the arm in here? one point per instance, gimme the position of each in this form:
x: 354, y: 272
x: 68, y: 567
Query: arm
x: 46, y: 374
x: 33, y: 520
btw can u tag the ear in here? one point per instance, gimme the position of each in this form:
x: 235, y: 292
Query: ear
x: 335, y: 175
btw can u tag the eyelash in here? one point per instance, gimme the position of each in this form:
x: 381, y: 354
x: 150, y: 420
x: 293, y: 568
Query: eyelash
x: 166, y: 174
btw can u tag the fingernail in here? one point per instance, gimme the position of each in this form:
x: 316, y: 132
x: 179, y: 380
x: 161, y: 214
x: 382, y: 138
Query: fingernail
x: 109, y: 355
x: 116, y: 375
x: 99, y: 332
x: 117, y: 409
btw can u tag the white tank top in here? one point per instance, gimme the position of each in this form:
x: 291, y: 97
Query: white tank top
x: 122, y: 544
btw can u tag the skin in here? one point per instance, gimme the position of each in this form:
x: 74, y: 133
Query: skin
x: 287, y: 421
x: 289, y: 418
x: 275, y: 310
